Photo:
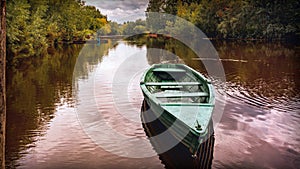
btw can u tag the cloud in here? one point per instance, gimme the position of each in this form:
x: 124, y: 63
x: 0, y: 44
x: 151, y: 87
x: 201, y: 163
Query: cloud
x: 121, y: 10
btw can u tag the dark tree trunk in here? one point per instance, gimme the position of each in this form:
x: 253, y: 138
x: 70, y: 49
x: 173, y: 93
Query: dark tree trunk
x: 2, y: 81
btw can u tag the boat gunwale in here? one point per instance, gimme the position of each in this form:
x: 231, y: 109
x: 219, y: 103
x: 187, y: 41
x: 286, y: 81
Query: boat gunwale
x: 173, y: 83
x: 155, y: 100
x: 203, y: 78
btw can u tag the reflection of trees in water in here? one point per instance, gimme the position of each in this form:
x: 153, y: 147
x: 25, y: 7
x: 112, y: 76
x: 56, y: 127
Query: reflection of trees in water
x: 156, y: 56
x: 34, y: 90
x: 90, y: 55
x: 36, y: 87
x: 167, y: 50
x: 266, y: 69
x: 179, y: 156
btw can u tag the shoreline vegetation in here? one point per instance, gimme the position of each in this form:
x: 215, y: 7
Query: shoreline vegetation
x: 33, y: 26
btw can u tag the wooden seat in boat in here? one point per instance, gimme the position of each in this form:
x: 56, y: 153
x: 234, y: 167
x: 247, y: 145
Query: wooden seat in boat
x: 180, y: 94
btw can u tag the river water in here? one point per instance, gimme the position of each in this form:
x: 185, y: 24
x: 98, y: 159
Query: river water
x: 81, y: 107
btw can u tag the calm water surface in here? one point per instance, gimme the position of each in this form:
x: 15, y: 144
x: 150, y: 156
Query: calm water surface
x: 64, y: 109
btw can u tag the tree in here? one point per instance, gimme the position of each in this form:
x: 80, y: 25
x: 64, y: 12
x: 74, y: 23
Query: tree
x: 34, y: 25
x: 2, y: 81
x: 268, y: 19
x: 105, y: 30
x: 115, y: 28
x: 17, y: 23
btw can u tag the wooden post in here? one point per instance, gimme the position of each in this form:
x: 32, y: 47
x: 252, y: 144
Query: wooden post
x: 2, y: 80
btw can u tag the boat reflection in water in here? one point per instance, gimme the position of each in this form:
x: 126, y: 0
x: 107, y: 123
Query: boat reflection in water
x: 178, y: 156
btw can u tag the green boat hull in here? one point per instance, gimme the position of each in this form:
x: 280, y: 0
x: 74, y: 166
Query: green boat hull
x: 185, y: 108
x: 179, y: 130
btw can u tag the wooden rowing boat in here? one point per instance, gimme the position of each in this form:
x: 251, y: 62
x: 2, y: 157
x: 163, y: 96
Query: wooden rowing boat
x: 182, y: 99
x: 177, y: 155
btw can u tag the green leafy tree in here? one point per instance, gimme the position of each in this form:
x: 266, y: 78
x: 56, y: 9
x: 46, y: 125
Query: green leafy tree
x: 269, y: 19
x: 17, y: 17
x: 34, y: 25
x: 115, y: 28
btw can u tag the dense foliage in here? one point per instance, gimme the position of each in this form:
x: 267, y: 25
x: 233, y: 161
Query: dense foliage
x: 34, y: 25
x: 127, y: 28
x: 269, y: 19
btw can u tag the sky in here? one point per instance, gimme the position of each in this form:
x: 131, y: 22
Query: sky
x: 121, y: 10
